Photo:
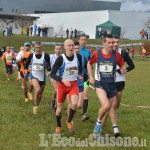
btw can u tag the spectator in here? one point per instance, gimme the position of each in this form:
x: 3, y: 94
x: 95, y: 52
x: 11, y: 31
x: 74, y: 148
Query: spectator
x: 27, y: 29
x: 44, y: 32
x: 39, y: 31
x: 71, y: 33
x: 133, y: 52
x: 3, y: 30
x: 147, y: 34
x: 142, y: 34
x: 10, y: 31
x: 31, y: 30
x: 35, y: 29
x: 75, y: 33
x: 67, y: 33
x: 99, y: 32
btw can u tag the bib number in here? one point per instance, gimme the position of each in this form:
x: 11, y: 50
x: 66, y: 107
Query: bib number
x: 38, y: 67
x: 106, y: 68
x: 9, y: 61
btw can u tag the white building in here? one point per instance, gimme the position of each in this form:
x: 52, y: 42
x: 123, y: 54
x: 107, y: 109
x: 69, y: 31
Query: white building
x: 130, y: 22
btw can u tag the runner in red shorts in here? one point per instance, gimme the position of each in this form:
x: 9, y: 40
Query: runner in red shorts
x: 69, y: 66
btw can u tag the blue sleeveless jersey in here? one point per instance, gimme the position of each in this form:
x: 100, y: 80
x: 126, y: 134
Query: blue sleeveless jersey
x: 106, y: 68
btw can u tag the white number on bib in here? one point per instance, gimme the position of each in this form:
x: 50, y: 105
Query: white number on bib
x: 106, y: 68
x: 38, y: 67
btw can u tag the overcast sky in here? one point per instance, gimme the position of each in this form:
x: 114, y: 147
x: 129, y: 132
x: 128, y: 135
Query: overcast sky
x: 133, y: 5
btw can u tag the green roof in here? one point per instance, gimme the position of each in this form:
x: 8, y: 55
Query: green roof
x: 109, y: 23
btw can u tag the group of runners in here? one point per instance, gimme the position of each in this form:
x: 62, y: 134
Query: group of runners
x: 70, y: 74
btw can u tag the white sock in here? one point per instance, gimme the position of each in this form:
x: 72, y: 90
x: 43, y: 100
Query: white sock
x: 99, y: 122
x: 115, y: 127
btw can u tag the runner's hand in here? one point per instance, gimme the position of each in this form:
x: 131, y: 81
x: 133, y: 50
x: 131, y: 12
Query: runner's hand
x: 91, y: 80
x: 80, y: 78
x: 66, y: 82
x: 123, y: 70
x: 26, y: 76
x: 48, y: 74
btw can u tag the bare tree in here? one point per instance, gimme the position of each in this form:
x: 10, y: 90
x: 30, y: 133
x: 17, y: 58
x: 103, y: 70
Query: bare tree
x: 23, y: 20
x: 123, y: 32
x: 61, y: 31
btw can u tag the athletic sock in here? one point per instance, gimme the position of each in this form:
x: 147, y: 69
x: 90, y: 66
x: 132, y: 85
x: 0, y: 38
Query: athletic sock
x: 58, y: 118
x: 99, y: 122
x: 115, y: 127
x: 35, y: 105
x: 85, y: 106
x: 72, y: 112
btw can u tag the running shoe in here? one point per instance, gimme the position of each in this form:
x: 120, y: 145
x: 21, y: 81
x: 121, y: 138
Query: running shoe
x: 116, y: 132
x: 35, y: 110
x: 26, y: 100
x: 30, y: 96
x: 58, y: 129
x: 97, y: 129
x: 70, y: 127
x: 85, y: 117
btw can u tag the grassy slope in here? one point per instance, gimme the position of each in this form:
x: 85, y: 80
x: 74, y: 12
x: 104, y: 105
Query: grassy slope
x: 20, y: 129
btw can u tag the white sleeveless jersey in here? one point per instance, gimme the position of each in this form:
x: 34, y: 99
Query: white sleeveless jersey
x: 38, y: 68
x: 53, y: 58
x: 119, y: 77
x: 69, y: 69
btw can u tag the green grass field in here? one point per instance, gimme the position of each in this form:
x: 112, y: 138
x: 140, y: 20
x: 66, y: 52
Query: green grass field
x: 20, y: 129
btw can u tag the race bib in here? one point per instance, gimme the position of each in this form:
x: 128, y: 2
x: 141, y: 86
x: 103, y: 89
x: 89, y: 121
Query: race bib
x: 9, y: 61
x: 105, y: 68
x: 71, y: 73
x: 38, y: 67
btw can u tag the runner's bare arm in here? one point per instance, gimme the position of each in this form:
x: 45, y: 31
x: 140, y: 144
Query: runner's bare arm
x: 89, y: 68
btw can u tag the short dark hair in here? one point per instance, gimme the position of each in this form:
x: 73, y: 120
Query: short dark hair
x: 76, y: 43
x: 82, y: 35
x: 116, y: 37
x: 107, y: 36
x: 38, y: 43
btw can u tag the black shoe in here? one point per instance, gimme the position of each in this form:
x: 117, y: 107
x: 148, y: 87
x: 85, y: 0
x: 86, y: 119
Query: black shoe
x: 53, y: 107
x: 116, y: 134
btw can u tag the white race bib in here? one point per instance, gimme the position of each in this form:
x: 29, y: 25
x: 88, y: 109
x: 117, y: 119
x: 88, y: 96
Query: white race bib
x: 9, y: 61
x: 71, y: 72
x: 38, y: 67
x: 105, y: 68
